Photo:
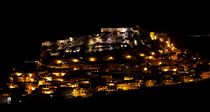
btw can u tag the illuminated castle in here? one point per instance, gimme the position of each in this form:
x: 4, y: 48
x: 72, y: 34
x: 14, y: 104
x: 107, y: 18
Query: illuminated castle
x: 116, y: 59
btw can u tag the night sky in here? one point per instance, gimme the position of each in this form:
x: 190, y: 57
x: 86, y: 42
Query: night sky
x: 22, y: 32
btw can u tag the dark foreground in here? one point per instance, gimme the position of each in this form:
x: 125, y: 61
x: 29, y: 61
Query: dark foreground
x: 190, y: 96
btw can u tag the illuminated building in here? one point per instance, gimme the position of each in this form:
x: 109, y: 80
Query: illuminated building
x: 114, y: 59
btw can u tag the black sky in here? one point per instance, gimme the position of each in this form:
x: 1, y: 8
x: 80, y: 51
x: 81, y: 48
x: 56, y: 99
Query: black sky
x: 23, y: 29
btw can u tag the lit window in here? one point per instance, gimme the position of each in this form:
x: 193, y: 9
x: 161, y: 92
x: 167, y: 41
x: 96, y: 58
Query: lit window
x: 152, y: 53
x: 161, y: 51
x: 141, y: 54
x: 128, y: 78
x: 33, y: 88
x: 150, y: 57
x: 56, y: 74
x: 59, y: 61
x: 128, y: 57
x: 60, y: 80
x: 40, y: 82
x: 48, y: 78
x: 174, y: 69
x: 75, y: 60
x: 62, y: 74
x: 18, y: 74
x: 12, y: 86
x: 32, y: 79
x: 75, y: 68
x: 67, y: 51
x: 161, y: 39
x: 111, y: 84
x: 159, y: 63
x: 30, y: 74
x: 92, y: 59
x: 153, y: 36
x: 110, y: 58
x: 168, y: 45
x: 145, y: 68
x: 165, y: 69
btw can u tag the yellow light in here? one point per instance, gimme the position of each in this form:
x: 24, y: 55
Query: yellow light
x: 209, y: 63
x: 151, y: 57
x: 67, y: 51
x: 191, y: 80
x: 167, y: 42
x: 174, y: 69
x: 32, y: 79
x: 48, y: 92
x: 145, y: 68
x: 92, y: 59
x: 56, y: 74
x: 172, y: 48
x: 168, y: 45
x: 128, y: 78
x: 85, y: 82
x: 11, y: 78
x: 165, y: 70
x: 152, y: 53
x: 46, y: 88
x: 159, y: 63
x: 48, y: 78
x: 60, y: 80
x: 161, y: 39
x: 141, y: 54
x: 62, y: 74
x: 59, y: 61
x: 111, y: 84
x: 40, y: 82
x: 161, y: 51
x: 152, y: 33
x: 110, y: 58
x: 128, y: 56
x: 11, y: 87
x: 153, y: 36
x: 18, y: 74
x: 30, y: 74
x: 75, y: 60
x: 33, y: 88
x: 75, y: 68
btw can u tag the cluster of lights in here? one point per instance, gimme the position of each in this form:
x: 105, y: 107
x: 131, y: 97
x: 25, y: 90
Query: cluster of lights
x: 76, y: 92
